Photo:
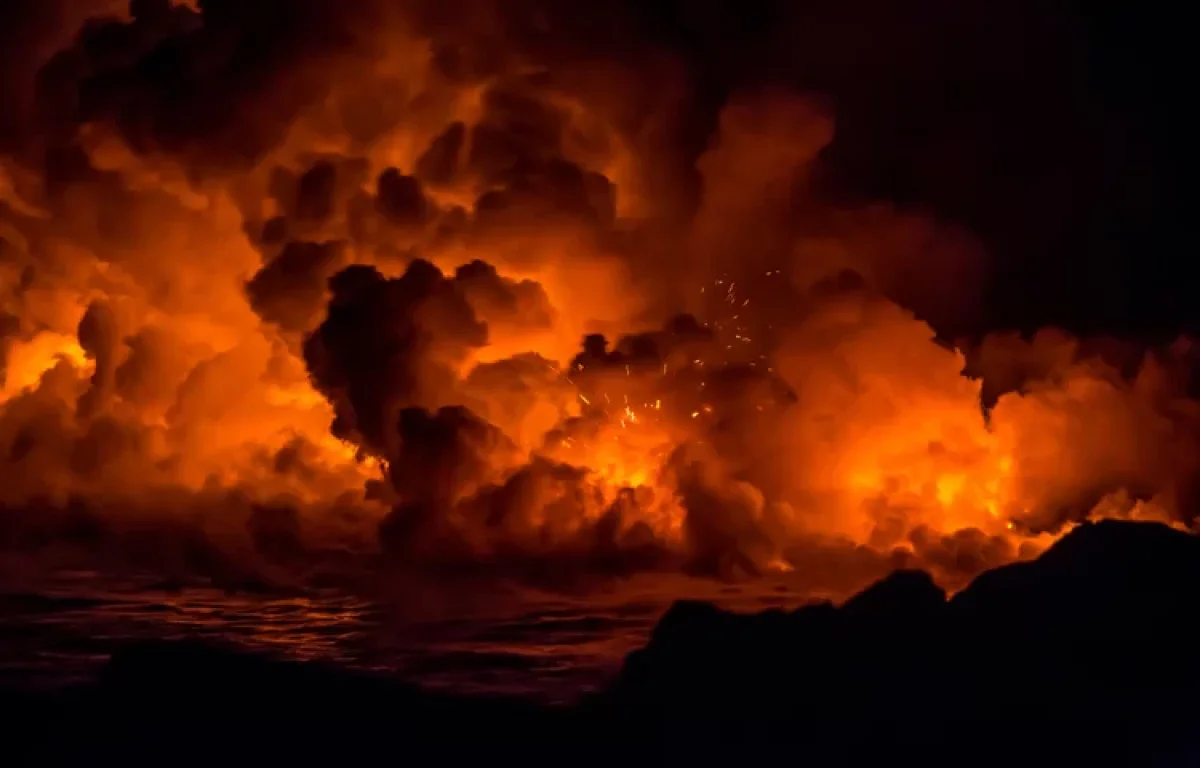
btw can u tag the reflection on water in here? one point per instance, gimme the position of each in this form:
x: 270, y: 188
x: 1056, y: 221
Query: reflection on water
x: 549, y: 647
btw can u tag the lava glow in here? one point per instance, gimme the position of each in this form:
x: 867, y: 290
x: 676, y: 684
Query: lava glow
x: 450, y: 313
x: 28, y: 361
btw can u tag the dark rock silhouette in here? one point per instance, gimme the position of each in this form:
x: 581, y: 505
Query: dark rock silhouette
x: 1086, y: 656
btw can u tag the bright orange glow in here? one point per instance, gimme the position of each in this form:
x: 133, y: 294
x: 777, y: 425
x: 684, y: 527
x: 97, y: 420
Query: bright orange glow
x: 28, y: 361
x: 456, y: 312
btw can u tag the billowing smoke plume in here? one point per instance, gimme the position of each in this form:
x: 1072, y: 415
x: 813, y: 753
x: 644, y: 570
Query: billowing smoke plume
x: 492, y: 285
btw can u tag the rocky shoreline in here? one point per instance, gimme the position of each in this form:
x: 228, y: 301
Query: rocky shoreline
x: 1086, y: 655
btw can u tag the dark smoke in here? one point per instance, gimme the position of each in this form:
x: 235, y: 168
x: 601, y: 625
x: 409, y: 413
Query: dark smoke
x: 473, y: 227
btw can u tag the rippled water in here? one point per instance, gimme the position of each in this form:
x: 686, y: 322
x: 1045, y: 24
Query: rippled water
x: 549, y: 647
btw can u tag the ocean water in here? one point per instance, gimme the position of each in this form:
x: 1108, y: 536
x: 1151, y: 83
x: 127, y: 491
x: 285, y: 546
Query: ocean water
x: 539, y: 645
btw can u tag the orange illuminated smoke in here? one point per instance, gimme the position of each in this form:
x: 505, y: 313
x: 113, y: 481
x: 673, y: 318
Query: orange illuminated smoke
x: 28, y: 361
x: 205, y: 318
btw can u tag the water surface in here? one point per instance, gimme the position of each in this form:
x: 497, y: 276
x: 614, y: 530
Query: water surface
x: 531, y: 644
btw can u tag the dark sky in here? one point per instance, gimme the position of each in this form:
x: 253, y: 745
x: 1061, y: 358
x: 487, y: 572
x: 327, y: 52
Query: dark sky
x: 1054, y: 130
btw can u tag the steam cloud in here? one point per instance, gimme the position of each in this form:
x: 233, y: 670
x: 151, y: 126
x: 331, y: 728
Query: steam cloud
x: 456, y: 284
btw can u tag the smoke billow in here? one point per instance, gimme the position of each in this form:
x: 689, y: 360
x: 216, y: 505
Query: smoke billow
x: 482, y: 285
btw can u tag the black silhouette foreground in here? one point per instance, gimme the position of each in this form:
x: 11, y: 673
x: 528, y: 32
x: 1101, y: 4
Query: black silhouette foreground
x: 1087, y: 656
